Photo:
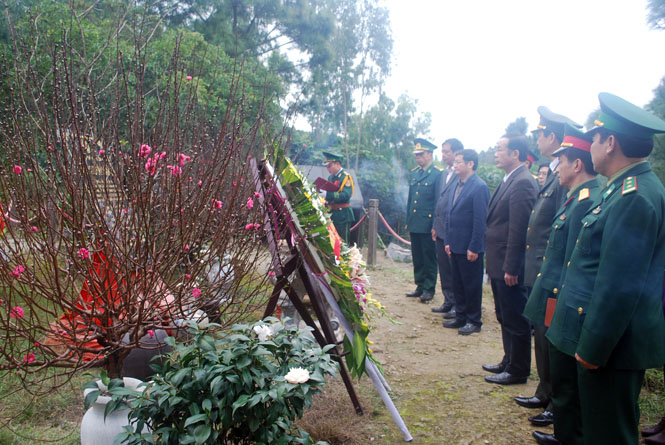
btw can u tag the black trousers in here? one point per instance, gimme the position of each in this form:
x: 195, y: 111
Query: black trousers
x: 509, y: 304
x: 468, y: 287
x: 446, y: 273
x: 541, y: 349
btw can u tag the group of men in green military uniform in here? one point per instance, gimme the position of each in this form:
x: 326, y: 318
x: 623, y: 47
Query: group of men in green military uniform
x: 593, y: 269
x: 596, y: 299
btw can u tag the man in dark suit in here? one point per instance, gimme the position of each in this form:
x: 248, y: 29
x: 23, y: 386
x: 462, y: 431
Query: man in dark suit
x: 505, y: 241
x: 465, y: 242
x: 423, y: 192
x: 549, y: 134
x: 448, y: 182
x: 608, y: 326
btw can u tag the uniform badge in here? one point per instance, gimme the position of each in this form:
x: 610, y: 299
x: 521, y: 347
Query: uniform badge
x: 584, y: 194
x: 562, y: 217
x: 609, y: 191
x: 629, y: 185
x: 596, y: 210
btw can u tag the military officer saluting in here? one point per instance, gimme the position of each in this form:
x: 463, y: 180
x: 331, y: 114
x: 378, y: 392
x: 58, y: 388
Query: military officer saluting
x: 338, y: 201
x: 608, y: 323
x: 424, y: 185
x: 574, y: 172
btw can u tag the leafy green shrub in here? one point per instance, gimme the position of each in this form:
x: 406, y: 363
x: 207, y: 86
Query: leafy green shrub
x: 233, y: 389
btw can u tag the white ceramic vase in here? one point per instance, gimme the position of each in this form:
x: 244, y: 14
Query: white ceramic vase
x: 95, y: 430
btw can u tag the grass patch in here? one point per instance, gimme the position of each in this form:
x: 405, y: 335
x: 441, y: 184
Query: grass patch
x: 26, y: 418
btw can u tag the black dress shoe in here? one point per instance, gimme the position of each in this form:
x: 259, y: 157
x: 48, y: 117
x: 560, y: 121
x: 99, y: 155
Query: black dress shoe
x: 543, y: 419
x: 656, y: 439
x: 531, y: 402
x: 505, y: 378
x: 455, y: 324
x: 468, y: 329
x: 426, y: 297
x: 545, y: 439
x: 451, y: 314
x: 496, y: 369
x: 442, y: 309
x: 657, y: 428
x: 415, y: 293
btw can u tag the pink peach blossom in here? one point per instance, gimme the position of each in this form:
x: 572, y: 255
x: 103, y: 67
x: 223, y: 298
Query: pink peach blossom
x: 151, y: 333
x: 182, y: 158
x: 189, y: 78
x: 271, y: 274
x: 217, y: 204
x: 18, y: 270
x: 144, y: 151
x: 18, y: 169
x: 29, y: 358
x: 196, y: 292
x: 17, y: 312
x: 250, y: 203
x: 34, y: 229
x: 175, y: 170
x: 101, y: 152
x: 84, y: 253
x: 188, y: 276
x: 200, y: 183
x: 257, y: 195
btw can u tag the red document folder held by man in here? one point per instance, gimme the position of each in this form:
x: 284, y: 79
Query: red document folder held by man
x: 323, y: 184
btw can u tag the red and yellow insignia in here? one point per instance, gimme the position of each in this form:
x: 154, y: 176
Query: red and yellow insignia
x: 584, y: 194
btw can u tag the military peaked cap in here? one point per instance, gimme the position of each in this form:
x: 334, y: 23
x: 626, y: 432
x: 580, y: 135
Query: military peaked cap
x: 331, y: 157
x: 423, y: 145
x: 553, y: 122
x: 620, y: 116
x: 574, y: 139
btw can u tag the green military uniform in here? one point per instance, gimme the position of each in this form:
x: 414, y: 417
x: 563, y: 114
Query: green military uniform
x: 424, y: 184
x: 609, y: 308
x: 338, y: 202
x: 566, y: 226
x: 550, y: 198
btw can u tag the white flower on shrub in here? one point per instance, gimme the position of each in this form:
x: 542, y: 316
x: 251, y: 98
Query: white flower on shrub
x: 297, y: 375
x: 264, y: 332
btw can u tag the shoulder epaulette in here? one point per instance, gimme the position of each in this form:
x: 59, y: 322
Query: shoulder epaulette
x: 629, y: 185
x: 584, y: 194
x: 414, y: 169
x: 438, y: 168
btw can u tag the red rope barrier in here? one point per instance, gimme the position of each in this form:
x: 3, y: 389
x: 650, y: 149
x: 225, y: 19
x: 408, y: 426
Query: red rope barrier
x: 392, y: 232
x: 358, y: 224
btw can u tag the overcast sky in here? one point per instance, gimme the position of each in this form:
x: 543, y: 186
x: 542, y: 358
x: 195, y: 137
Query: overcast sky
x: 478, y: 65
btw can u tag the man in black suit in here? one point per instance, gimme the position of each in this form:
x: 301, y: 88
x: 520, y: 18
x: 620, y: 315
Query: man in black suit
x: 507, y: 219
x: 449, y: 149
x: 465, y: 242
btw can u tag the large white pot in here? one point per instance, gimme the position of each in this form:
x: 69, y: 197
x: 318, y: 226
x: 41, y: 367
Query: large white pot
x: 95, y: 430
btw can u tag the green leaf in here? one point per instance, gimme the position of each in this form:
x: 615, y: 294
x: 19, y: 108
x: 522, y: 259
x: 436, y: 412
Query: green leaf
x: 359, y: 350
x: 91, y: 397
x: 201, y: 433
x: 242, y: 400
x: 206, y: 405
x: 195, y: 419
x: 177, y: 378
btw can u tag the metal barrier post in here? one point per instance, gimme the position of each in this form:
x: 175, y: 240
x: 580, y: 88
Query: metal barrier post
x: 372, y: 231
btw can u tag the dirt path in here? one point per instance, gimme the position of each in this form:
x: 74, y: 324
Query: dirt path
x: 436, y: 374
